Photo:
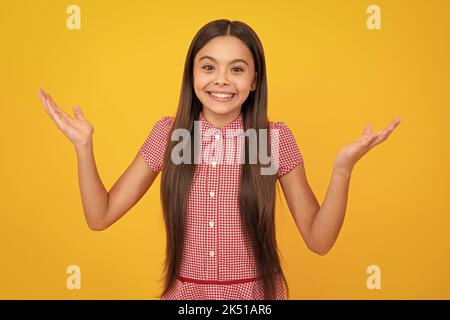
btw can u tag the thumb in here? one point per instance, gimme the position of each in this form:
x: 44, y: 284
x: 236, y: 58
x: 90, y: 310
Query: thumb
x: 368, y: 129
x: 77, y: 112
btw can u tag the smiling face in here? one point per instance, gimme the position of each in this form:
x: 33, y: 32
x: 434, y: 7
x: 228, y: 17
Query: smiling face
x: 224, y: 75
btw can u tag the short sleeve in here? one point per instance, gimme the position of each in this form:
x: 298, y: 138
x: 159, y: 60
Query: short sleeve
x: 154, y: 146
x: 288, y: 154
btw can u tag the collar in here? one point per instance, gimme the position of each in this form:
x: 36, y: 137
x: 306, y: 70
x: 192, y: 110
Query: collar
x: 236, y: 124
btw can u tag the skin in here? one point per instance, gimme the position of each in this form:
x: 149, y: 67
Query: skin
x: 318, y: 225
x: 224, y: 75
x: 101, y: 208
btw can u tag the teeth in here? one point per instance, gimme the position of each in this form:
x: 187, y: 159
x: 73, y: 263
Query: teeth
x: 221, y: 95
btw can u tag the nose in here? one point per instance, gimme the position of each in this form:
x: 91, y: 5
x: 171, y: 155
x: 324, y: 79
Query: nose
x: 221, y: 78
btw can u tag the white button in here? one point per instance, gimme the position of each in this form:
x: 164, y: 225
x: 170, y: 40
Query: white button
x: 212, y: 193
x: 217, y: 136
x: 214, y: 163
x: 211, y: 253
x: 211, y: 224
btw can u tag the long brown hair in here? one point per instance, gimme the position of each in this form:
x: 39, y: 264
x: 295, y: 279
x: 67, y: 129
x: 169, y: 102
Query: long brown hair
x: 256, y: 191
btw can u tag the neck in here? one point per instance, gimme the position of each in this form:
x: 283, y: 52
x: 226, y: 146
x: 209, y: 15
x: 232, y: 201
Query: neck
x: 221, y: 120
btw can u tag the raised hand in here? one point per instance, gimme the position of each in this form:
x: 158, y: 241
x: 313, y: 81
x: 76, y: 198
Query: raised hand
x: 78, y: 130
x: 350, y: 154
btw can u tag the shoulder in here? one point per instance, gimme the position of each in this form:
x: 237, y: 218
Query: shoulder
x: 282, y: 133
x: 153, y: 147
x: 160, y: 130
x: 165, y: 121
x: 281, y: 128
x: 287, y: 153
x: 163, y: 125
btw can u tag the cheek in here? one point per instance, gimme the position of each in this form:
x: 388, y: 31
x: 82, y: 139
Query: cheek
x: 199, y: 86
x: 243, y: 85
x: 200, y: 81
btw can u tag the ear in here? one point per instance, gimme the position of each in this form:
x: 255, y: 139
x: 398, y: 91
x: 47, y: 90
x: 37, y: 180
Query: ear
x: 254, y: 82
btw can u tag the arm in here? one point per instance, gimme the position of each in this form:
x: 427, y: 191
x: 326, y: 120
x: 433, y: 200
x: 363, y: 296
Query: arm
x: 101, y: 208
x: 320, y: 226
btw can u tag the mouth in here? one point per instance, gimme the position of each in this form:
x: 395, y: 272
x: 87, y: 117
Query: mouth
x: 221, y: 97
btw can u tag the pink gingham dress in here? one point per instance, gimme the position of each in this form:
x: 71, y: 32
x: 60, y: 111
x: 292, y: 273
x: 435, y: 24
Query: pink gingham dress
x: 217, y: 261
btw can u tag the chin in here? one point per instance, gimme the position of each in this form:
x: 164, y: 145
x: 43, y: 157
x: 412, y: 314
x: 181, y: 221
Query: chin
x: 217, y: 109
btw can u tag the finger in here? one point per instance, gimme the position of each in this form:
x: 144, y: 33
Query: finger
x: 61, y: 112
x: 56, y: 116
x: 366, y: 132
x: 47, y: 101
x: 388, y: 130
x: 394, y: 123
x: 371, y: 140
x: 368, y: 140
x: 67, y: 117
x: 384, y: 134
x: 52, y: 104
x: 77, y: 112
x: 368, y: 129
x: 49, y: 109
x: 381, y: 136
x: 43, y: 101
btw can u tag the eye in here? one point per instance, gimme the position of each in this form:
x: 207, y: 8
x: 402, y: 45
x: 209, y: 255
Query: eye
x: 238, y: 68
x: 206, y: 66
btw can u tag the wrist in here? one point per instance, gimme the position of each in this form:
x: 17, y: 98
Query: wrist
x: 342, y: 171
x: 83, y: 146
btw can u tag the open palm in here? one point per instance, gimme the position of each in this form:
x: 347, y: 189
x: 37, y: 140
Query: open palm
x: 351, y: 153
x: 78, y: 129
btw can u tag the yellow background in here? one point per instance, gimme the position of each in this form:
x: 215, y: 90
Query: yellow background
x: 328, y: 75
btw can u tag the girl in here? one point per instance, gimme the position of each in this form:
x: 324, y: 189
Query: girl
x: 219, y: 216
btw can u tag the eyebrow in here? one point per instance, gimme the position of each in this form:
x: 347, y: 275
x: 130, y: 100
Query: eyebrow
x: 232, y: 61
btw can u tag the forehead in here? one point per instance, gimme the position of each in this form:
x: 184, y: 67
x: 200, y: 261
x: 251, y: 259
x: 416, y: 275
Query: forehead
x: 224, y: 49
